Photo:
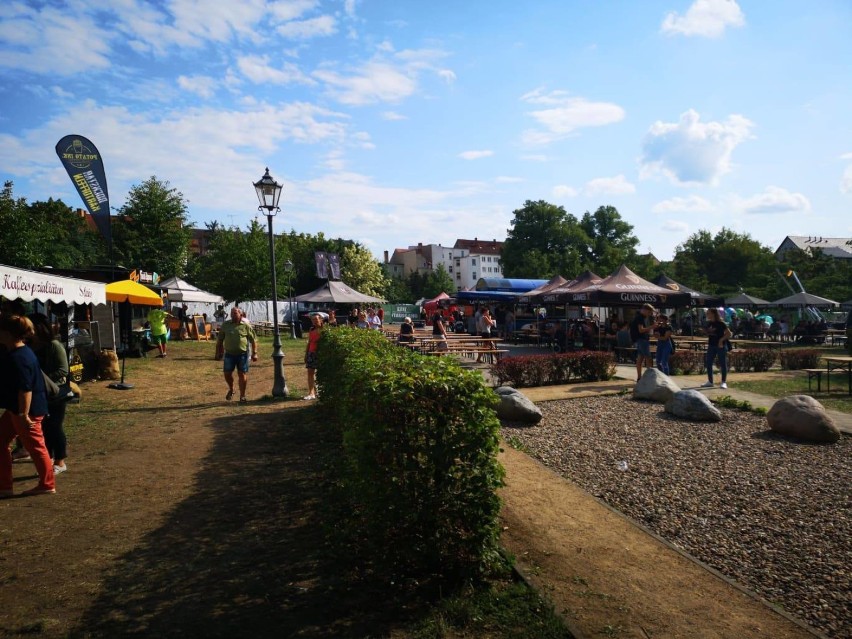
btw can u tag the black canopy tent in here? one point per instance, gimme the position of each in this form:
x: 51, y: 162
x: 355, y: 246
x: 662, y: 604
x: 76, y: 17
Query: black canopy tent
x: 697, y: 298
x: 624, y: 288
x: 745, y: 300
x: 335, y: 292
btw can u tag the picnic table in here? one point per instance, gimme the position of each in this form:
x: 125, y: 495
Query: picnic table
x: 838, y: 364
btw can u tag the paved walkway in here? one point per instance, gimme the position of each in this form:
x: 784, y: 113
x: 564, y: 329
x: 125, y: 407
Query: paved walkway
x: 643, y: 596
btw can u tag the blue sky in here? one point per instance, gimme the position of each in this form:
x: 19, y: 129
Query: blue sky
x: 397, y: 122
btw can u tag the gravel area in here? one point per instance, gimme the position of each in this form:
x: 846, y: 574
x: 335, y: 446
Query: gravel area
x: 771, y: 513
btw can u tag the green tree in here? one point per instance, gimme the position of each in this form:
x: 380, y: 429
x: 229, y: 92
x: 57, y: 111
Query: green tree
x: 45, y: 234
x: 360, y: 270
x: 152, y: 231
x: 398, y: 292
x: 236, y: 265
x: 437, y: 282
x: 725, y: 263
x: 544, y: 240
x: 819, y: 273
x: 19, y: 244
x: 611, y: 240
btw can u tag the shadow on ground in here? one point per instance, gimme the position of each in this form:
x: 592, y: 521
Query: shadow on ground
x: 247, y: 554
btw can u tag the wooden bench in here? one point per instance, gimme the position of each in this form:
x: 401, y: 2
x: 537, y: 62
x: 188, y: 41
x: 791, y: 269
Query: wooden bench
x: 814, y: 373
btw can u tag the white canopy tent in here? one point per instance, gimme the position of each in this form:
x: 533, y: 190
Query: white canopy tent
x: 198, y: 301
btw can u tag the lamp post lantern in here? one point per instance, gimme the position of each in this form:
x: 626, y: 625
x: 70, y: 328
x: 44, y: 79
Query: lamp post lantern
x: 268, y: 194
x: 294, y: 316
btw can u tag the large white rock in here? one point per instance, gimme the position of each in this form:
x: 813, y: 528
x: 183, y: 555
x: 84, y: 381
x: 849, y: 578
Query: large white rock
x: 692, y: 405
x: 514, y: 406
x: 655, y: 386
x: 803, y: 417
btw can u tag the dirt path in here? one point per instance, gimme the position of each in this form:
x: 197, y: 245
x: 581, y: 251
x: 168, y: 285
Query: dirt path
x: 185, y: 515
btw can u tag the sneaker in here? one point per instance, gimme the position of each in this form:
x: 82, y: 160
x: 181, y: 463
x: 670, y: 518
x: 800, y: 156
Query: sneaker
x: 309, y: 397
x: 706, y: 385
x: 21, y: 454
x: 58, y: 470
x: 723, y: 385
x: 230, y: 395
x: 38, y: 490
x: 243, y: 400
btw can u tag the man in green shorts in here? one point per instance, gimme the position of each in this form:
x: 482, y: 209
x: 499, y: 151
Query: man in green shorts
x: 157, y: 320
x: 232, y: 344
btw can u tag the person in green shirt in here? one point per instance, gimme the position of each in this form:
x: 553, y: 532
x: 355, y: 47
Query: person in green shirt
x: 157, y: 320
x: 232, y: 346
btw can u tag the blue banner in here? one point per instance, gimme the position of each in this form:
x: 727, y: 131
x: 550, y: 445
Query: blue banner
x: 85, y: 167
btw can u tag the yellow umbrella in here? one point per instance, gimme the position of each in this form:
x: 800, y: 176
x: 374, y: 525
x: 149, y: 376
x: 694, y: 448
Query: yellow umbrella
x: 133, y: 292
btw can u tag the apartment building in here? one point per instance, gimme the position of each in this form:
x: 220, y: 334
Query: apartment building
x: 466, y: 261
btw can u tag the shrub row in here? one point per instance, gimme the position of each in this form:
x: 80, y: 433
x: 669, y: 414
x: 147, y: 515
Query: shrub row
x: 799, y: 358
x: 758, y: 360
x: 687, y: 362
x: 557, y: 368
x: 420, y: 439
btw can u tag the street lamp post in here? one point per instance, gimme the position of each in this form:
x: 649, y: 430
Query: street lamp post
x: 268, y: 194
x: 294, y: 317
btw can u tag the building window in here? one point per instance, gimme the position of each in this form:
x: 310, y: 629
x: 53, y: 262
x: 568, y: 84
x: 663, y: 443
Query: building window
x: 473, y: 261
x: 451, y: 269
x: 474, y: 275
x: 458, y: 276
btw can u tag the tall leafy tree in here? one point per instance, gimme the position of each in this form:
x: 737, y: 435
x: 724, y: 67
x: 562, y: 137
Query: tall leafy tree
x: 437, y: 282
x: 611, y: 240
x: 236, y: 264
x: 544, y: 240
x: 152, y: 231
x: 725, y: 263
x: 819, y: 273
x: 360, y: 270
x: 19, y: 244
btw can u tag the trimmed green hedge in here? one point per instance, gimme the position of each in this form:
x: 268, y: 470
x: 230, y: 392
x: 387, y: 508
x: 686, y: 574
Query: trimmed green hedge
x: 557, y: 368
x: 420, y: 439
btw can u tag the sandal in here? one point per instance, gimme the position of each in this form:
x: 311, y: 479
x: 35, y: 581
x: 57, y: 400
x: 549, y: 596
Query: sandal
x: 230, y: 395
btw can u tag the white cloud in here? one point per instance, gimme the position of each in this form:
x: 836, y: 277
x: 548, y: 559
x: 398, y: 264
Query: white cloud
x: 566, y: 115
x: 676, y: 226
x: 475, y: 155
x: 50, y: 41
x: 706, y: 18
x: 846, y: 180
x: 304, y: 29
x: 374, y: 82
x: 362, y: 138
x: 201, y: 85
x: 690, y: 204
x: 563, y: 191
x: 617, y: 185
x: 285, y: 10
x: 393, y: 116
x: 693, y: 152
x: 774, y: 199
x: 447, y: 75
x: 257, y: 69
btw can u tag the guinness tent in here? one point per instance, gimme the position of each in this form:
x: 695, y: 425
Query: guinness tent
x: 555, y: 281
x: 335, y: 292
x: 698, y: 299
x: 562, y: 293
x: 624, y: 288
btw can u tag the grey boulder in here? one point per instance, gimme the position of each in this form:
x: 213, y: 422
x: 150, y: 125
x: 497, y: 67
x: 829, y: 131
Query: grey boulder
x: 692, y: 405
x: 802, y: 417
x: 514, y: 406
x: 655, y: 386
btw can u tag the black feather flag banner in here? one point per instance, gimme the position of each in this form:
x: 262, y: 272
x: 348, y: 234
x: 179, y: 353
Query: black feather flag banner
x: 85, y: 167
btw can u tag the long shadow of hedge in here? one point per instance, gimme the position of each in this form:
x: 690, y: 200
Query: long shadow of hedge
x: 250, y: 553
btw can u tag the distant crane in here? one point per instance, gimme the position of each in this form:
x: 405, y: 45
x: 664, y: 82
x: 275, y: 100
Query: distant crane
x: 810, y: 310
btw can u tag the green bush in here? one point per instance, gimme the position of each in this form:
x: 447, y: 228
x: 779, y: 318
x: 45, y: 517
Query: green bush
x: 420, y: 439
x: 798, y: 358
x: 555, y: 368
x: 687, y: 362
x: 758, y: 360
